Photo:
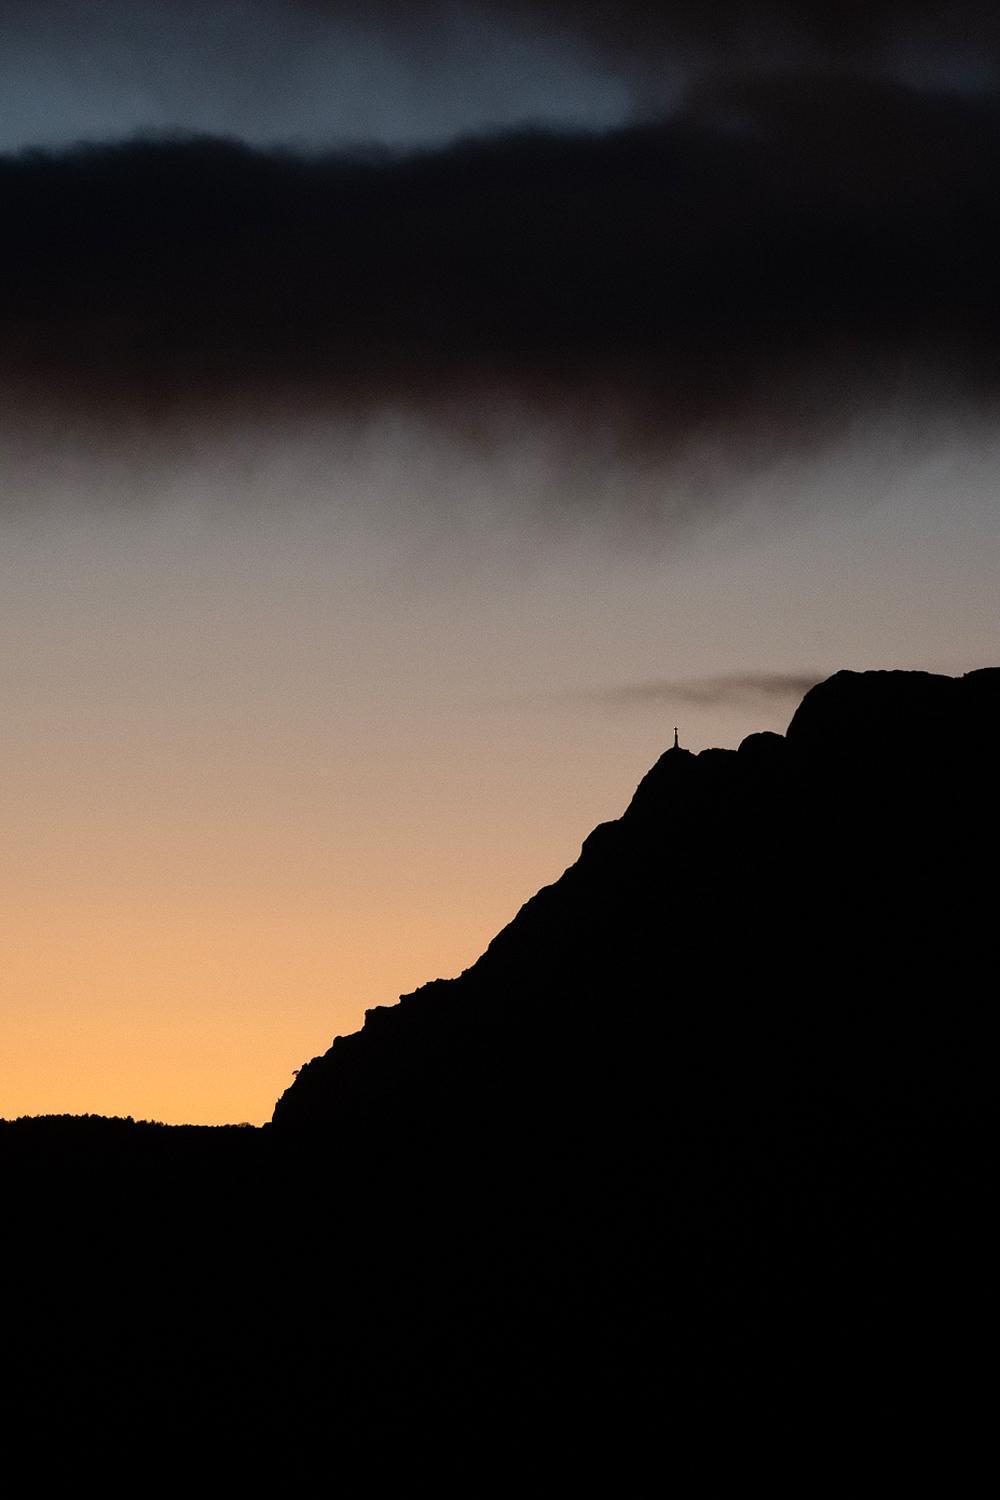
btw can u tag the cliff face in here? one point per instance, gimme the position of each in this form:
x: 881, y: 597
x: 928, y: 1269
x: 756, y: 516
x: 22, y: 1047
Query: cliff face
x: 804, y: 911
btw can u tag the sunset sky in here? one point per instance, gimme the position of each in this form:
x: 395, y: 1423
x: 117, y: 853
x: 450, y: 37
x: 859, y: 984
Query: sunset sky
x: 381, y: 480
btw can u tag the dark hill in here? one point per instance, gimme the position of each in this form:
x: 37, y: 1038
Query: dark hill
x: 697, y: 1156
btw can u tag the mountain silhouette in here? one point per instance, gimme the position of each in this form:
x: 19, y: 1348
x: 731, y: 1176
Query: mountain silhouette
x: 749, y: 912
x: 694, y: 1162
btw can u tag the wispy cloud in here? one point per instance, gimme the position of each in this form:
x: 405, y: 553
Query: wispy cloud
x: 737, y: 687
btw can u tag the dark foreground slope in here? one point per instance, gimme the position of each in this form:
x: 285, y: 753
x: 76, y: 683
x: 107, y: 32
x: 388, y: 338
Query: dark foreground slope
x: 698, y: 1152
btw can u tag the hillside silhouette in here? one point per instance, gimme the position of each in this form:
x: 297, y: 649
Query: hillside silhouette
x: 698, y: 1155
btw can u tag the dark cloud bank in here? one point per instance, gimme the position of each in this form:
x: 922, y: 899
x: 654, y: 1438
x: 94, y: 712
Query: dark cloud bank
x: 885, y: 34
x: 788, y: 249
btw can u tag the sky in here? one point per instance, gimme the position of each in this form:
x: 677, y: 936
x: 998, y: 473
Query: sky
x: 404, y: 423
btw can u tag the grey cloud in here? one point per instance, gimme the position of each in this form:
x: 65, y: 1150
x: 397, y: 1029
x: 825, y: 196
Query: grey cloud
x: 321, y: 72
x: 271, y: 73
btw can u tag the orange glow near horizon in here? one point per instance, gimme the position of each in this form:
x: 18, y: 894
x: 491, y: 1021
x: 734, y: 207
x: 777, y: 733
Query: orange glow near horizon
x: 192, y: 1015
x: 175, y: 956
x: 193, y: 999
